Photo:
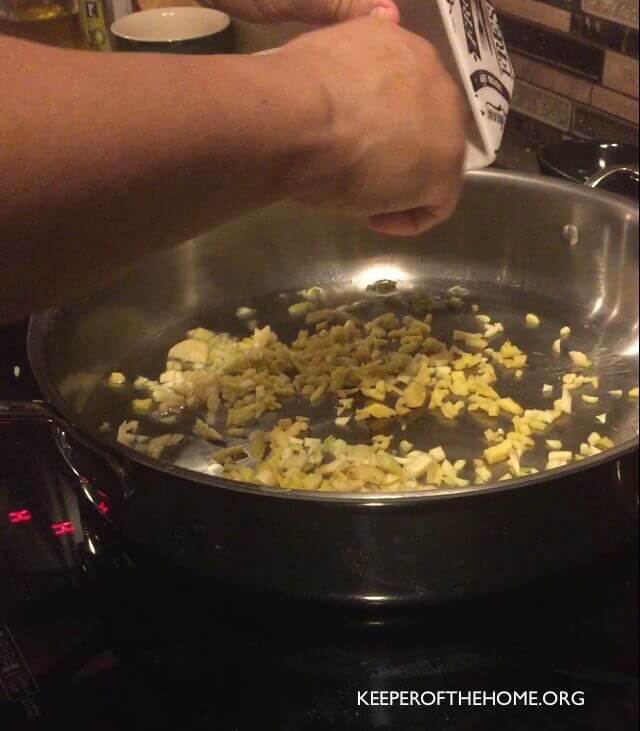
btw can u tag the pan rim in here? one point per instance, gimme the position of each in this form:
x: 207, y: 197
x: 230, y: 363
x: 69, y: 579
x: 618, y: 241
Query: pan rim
x: 37, y: 328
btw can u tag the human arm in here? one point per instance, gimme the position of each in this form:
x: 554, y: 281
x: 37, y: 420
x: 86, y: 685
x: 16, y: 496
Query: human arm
x: 105, y: 158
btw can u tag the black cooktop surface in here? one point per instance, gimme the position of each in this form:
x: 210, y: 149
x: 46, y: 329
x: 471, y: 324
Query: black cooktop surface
x: 94, y: 638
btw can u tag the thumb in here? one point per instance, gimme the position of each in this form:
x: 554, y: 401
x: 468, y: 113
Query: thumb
x: 404, y: 223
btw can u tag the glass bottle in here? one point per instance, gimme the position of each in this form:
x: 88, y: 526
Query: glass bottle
x: 54, y: 22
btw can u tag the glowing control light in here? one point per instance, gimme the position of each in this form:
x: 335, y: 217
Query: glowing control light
x: 63, y: 528
x: 20, y: 516
x: 103, y: 507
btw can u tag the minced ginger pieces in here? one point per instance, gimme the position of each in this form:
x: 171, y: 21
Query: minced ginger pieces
x: 289, y: 459
x: 375, y: 371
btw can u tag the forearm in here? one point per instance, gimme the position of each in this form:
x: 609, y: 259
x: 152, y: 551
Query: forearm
x: 104, y: 158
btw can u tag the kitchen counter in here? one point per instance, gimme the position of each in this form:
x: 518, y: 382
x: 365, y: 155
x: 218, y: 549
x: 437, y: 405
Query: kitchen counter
x: 517, y: 151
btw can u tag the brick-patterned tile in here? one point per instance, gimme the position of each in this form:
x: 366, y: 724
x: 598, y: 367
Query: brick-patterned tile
x: 542, y: 105
x: 569, y: 5
x: 620, y: 73
x: 551, y: 47
x: 550, y: 78
x: 615, y: 103
x: 533, y: 129
x: 618, y: 11
x: 539, y: 12
x: 593, y: 124
x: 609, y: 35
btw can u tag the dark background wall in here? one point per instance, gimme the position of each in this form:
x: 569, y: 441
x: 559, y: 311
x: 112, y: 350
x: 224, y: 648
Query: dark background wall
x: 576, y: 62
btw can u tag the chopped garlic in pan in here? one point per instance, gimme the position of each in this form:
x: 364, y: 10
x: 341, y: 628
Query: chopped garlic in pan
x: 299, y: 309
x: 117, y: 379
x: 579, y: 359
x: 531, y: 320
x: 245, y: 313
x: 377, y: 374
x: 314, y: 294
x: 140, y: 405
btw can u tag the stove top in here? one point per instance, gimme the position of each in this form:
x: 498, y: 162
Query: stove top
x: 93, y: 637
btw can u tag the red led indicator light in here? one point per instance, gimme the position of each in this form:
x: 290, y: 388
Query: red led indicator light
x: 62, y: 529
x: 103, y: 507
x: 20, y: 516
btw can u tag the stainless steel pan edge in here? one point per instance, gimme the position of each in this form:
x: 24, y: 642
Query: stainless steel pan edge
x: 380, y: 554
x: 391, y: 549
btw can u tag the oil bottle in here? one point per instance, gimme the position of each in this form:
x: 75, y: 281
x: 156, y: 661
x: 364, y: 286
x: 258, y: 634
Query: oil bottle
x: 54, y: 22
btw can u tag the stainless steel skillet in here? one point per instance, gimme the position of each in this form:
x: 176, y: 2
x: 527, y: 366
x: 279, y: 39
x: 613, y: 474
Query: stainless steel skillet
x: 517, y: 243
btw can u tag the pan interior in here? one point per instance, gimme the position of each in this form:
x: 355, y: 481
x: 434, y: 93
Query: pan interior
x: 463, y: 437
x: 508, y: 249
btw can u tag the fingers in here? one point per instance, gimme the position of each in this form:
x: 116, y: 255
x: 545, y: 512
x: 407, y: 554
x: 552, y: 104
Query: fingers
x: 335, y: 11
x: 305, y: 11
x: 417, y: 220
x: 391, y: 141
x: 413, y: 221
x: 348, y: 9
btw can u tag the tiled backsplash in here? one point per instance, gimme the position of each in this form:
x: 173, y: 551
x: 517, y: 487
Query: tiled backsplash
x: 576, y: 63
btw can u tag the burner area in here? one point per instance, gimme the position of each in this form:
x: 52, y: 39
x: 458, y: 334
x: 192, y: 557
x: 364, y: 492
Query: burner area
x: 94, y: 635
